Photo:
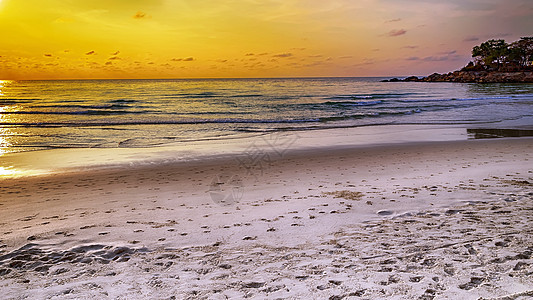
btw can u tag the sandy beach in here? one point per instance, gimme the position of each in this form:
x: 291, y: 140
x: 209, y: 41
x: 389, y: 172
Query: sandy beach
x: 432, y: 220
x: 240, y: 149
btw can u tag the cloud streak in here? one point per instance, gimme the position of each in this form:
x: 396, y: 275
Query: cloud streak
x: 443, y: 56
x: 283, y: 55
x: 471, y: 39
x: 139, y: 15
x: 393, y: 20
x: 190, y: 58
x: 396, y: 32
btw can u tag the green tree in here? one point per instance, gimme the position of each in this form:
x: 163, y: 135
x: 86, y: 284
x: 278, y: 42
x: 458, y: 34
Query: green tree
x: 491, y: 53
x: 521, y: 52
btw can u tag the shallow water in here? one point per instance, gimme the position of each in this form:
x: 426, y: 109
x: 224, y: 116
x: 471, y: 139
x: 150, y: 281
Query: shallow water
x: 37, y: 115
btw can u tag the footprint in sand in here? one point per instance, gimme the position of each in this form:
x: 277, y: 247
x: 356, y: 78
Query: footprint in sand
x: 385, y: 213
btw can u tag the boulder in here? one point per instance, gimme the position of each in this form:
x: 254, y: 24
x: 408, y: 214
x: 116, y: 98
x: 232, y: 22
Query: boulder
x: 473, y: 77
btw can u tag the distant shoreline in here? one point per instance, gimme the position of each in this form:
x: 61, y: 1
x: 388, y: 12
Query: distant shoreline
x: 472, y: 77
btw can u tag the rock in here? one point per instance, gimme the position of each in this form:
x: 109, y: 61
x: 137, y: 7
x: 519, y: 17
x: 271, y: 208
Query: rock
x: 473, y: 77
x: 393, y: 80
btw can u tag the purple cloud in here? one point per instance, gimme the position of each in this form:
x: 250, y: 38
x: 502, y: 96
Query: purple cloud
x: 471, y: 39
x: 397, y: 32
x: 393, y: 20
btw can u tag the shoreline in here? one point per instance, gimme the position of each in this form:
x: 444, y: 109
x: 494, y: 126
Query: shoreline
x: 468, y: 76
x: 73, y: 160
x: 345, y: 221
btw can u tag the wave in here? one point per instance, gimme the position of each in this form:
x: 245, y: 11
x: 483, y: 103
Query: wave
x: 210, y: 121
x: 371, y: 96
x: 84, y: 112
x: 152, y: 122
x: 456, y: 99
x: 101, y: 106
x: 246, y: 96
x: 189, y: 95
x: 16, y: 100
x: 123, y: 101
x: 353, y: 103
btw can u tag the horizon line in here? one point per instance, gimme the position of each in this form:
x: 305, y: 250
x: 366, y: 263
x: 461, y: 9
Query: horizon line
x: 209, y: 78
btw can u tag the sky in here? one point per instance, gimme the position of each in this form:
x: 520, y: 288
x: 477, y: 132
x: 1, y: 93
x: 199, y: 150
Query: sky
x: 75, y: 39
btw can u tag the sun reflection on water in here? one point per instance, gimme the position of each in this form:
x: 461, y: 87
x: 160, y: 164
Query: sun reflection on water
x: 5, y: 132
x: 3, y: 84
x: 8, y: 172
x: 6, y: 135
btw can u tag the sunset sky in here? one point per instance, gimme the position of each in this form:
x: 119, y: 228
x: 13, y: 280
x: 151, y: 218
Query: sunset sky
x: 248, y: 38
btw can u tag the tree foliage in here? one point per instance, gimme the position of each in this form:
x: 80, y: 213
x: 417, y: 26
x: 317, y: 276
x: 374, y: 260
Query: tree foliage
x: 521, y: 51
x: 497, y: 54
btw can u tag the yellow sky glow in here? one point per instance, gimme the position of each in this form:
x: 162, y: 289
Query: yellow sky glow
x: 248, y: 38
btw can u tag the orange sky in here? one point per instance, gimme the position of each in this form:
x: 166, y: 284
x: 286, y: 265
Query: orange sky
x: 248, y: 38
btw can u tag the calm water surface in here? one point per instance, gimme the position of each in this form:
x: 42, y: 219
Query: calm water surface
x: 37, y: 115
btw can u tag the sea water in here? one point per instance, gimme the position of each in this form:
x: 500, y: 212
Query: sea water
x: 39, y: 115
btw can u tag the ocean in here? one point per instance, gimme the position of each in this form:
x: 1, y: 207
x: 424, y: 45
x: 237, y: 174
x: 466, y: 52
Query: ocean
x: 40, y: 115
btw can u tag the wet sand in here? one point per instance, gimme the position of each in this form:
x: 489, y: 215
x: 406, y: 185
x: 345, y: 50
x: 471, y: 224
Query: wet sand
x: 439, y: 220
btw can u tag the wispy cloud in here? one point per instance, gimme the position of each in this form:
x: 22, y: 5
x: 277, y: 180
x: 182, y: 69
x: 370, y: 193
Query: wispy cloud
x: 502, y: 35
x: 396, y: 32
x: 282, y: 55
x: 442, y: 56
x: 190, y: 58
x: 436, y: 58
x: 140, y: 15
x: 365, y: 62
x: 471, y: 39
x: 393, y: 20
x: 449, y: 53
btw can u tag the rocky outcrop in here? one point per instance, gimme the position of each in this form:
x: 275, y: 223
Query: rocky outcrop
x: 473, y: 77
